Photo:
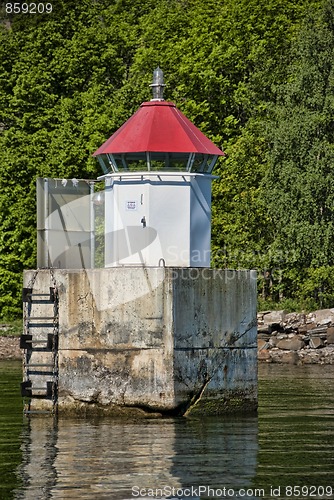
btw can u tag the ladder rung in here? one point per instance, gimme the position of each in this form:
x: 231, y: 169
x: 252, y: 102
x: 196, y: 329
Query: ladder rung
x: 40, y: 396
x: 41, y: 412
x: 37, y: 318
x: 38, y: 294
x: 37, y: 341
x: 41, y: 301
x: 27, y: 293
x: 27, y: 341
x: 28, y: 390
x: 40, y: 365
x: 41, y: 325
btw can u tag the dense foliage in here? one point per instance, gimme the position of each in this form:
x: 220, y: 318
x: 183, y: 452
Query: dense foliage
x: 299, y: 185
x: 254, y: 75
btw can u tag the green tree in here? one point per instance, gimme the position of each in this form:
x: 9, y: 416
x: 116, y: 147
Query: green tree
x: 299, y: 184
x: 57, y: 83
x: 69, y: 79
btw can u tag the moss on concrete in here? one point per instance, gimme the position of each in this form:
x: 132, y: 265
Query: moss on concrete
x: 233, y: 403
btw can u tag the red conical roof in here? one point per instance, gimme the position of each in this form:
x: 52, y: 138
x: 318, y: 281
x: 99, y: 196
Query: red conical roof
x: 158, y: 126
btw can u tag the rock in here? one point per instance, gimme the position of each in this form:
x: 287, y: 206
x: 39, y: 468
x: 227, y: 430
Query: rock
x: 330, y: 335
x: 273, y: 341
x: 316, y: 342
x: 302, y: 329
x: 10, y: 348
x: 318, y: 331
x: 261, y: 314
x: 329, y: 355
x: 294, y: 320
x: 262, y: 344
x: 293, y: 344
x: 310, y: 326
x: 281, y: 336
x: 323, y: 316
x: 322, y: 356
x: 264, y: 355
x: 310, y: 357
x: 263, y: 329
x: 300, y: 338
x: 263, y: 336
x: 289, y: 357
x: 274, y: 317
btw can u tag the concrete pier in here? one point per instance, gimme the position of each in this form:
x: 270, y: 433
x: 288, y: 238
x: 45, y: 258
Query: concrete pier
x: 149, y: 340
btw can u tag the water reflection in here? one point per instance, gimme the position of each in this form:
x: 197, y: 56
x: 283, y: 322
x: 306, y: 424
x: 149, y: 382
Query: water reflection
x: 290, y: 444
x: 296, y: 427
x: 10, y: 426
x: 115, y: 459
x: 39, y: 450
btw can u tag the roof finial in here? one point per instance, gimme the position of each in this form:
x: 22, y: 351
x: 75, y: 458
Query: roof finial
x: 158, y: 85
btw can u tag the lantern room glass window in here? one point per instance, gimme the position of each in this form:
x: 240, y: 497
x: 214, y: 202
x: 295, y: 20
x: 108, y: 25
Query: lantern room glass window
x: 157, y: 162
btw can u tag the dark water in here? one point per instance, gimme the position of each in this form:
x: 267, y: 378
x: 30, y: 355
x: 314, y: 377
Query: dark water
x: 287, y: 451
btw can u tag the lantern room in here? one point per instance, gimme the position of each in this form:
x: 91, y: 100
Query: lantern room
x: 158, y: 137
x: 157, y: 170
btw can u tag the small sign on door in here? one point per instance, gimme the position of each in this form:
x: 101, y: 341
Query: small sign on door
x: 131, y: 205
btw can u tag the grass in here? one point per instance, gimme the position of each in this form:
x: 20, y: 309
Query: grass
x: 288, y: 305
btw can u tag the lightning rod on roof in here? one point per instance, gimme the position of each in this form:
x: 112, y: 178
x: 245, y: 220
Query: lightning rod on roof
x: 158, y: 85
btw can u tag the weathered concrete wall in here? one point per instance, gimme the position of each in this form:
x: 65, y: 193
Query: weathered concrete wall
x: 157, y: 339
x: 215, y: 345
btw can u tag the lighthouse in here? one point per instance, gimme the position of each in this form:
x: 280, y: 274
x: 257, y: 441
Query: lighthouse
x: 158, y: 173
x: 154, y: 329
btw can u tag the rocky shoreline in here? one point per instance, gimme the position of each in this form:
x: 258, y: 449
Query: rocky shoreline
x: 10, y: 348
x: 294, y: 338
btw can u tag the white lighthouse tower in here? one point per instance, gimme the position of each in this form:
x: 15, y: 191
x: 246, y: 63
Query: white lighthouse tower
x: 158, y: 188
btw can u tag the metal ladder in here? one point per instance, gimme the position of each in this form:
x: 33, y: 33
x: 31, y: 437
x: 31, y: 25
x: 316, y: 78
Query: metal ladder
x: 40, y: 344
